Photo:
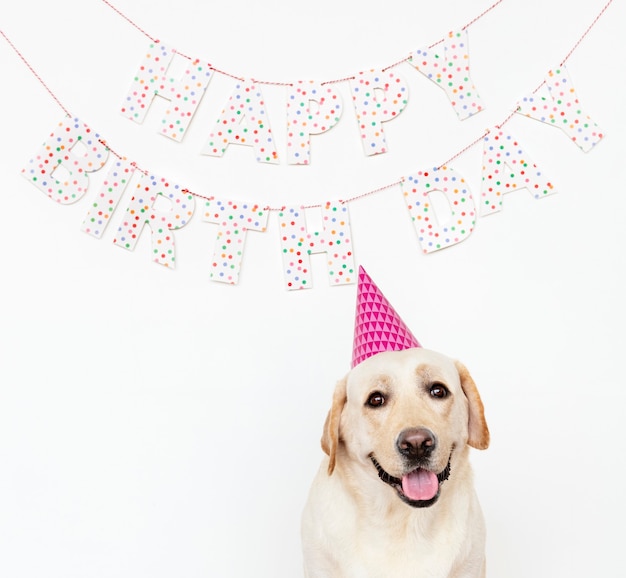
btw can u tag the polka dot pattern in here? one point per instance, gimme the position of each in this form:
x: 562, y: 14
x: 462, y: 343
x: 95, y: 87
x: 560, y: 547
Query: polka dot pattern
x: 107, y: 198
x: 304, y: 120
x: 235, y: 219
x: 149, y: 80
x: 377, y: 97
x: 141, y: 211
x: 244, y: 121
x: 432, y: 234
x: 297, y: 244
x: 184, y: 94
x: 60, y: 167
x: 447, y: 65
x: 506, y: 168
x: 556, y: 104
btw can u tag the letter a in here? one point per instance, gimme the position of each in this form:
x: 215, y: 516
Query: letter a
x: 506, y: 168
x: 61, y: 166
x: 235, y: 219
x: 298, y: 243
x: 244, y: 121
x: 108, y: 197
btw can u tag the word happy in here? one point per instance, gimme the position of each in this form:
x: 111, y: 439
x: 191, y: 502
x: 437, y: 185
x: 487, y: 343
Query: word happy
x: 313, y: 107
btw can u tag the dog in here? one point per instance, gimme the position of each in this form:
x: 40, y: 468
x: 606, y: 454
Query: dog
x: 394, y: 496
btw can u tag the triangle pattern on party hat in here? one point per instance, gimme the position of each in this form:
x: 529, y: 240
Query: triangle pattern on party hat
x: 377, y: 326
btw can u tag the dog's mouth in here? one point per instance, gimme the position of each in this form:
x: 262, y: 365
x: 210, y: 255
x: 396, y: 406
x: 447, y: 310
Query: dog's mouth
x: 419, y: 488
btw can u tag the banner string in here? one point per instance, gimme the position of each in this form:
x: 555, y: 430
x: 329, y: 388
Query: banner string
x: 595, y: 21
x: 35, y: 73
x: 282, y: 83
x: 351, y: 199
x: 579, y: 41
x: 129, y: 20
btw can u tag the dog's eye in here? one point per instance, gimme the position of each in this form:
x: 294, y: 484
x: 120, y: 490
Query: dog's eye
x: 438, y: 390
x: 376, y: 399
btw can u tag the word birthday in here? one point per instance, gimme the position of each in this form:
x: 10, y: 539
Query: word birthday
x: 62, y: 165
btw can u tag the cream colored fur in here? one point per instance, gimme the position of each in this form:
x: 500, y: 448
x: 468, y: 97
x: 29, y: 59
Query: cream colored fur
x: 356, y: 526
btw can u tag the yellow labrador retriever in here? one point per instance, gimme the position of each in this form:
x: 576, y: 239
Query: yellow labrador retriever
x: 394, y: 497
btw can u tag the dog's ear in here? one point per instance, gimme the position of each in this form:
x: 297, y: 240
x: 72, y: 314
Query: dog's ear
x: 478, y: 430
x: 330, y: 435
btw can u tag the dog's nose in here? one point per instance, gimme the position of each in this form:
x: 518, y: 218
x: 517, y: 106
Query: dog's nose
x: 416, y: 442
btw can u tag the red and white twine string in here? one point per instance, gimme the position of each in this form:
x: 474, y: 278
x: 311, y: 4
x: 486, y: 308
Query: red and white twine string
x: 35, y: 73
x: 283, y: 83
x: 351, y: 199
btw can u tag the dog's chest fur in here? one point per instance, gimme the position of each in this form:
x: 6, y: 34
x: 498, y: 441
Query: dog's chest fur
x: 381, y: 537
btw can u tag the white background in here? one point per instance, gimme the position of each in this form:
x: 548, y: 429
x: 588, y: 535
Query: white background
x: 155, y: 423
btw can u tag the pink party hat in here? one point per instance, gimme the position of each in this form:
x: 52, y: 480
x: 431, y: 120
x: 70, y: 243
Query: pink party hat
x: 377, y: 326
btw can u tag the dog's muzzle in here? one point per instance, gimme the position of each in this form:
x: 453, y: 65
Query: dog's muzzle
x: 420, y: 488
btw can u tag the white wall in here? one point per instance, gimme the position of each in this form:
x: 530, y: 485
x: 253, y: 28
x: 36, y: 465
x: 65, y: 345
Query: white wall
x: 157, y: 423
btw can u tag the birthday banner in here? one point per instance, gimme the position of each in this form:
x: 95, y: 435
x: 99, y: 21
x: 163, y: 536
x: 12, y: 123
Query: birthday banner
x: 62, y: 166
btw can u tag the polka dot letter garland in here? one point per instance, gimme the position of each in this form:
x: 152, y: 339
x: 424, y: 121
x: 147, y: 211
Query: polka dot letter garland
x: 377, y: 99
x: 378, y: 96
x: 556, y: 104
x: 303, y: 120
x: 506, y: 168
x: 447, y: 65
x: 298, y: 243
x: 141, y: 212
x: 244, y: 121
x: 234, y: 220
x: 60, y: 167
x: 432, y: 234
x: 184, y: 94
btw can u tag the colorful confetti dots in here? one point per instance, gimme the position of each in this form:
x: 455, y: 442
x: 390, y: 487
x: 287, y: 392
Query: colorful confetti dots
x: 60, y: 167
x: 108, y: 197
x: 506, y: 168
x: 378, y: 96
x: 235, y: 219
x: 298, y: 244
x: 244, y: 121
x: 141, y: 212
x: 432, y: 234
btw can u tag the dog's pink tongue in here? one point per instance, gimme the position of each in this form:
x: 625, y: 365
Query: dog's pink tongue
x: 420, y: 485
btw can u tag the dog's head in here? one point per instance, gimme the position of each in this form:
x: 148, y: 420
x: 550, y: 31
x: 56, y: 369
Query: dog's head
x: 404, y: 413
